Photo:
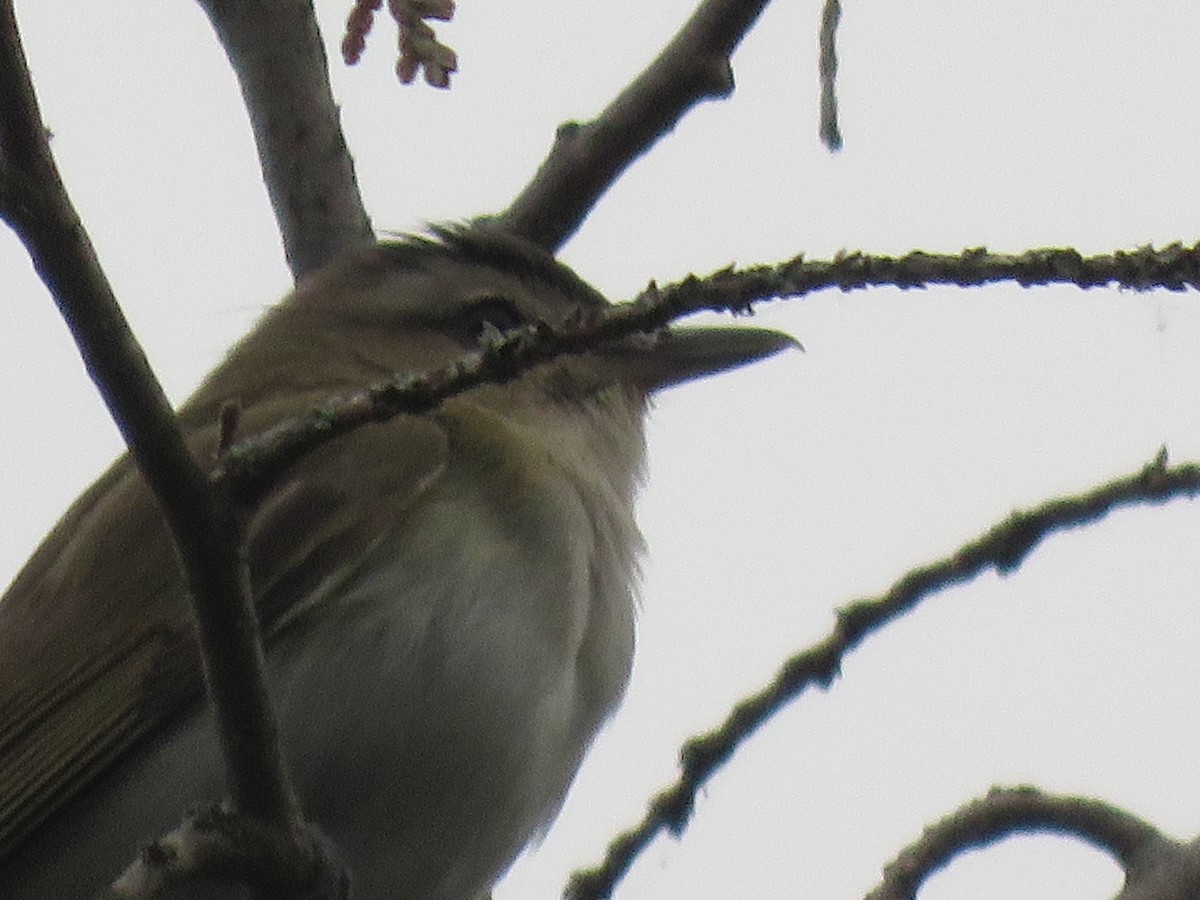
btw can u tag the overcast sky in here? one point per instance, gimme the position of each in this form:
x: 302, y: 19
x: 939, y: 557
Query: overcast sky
x: 913, y: 422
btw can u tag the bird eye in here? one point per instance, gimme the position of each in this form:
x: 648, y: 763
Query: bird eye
x: 488, y: 316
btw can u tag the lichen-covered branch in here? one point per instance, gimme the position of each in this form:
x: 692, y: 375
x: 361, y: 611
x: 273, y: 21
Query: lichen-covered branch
x: 1174, y: 267
x: 251, y: 463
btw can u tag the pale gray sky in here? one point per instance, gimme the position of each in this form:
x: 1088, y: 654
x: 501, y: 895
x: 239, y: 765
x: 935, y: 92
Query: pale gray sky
x: 913, y: 421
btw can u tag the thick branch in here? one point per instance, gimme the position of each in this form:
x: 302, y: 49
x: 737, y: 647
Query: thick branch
x: 275, y: 49
x: 1003, y: 548
x: 34, y: 201
x: 587, y: 158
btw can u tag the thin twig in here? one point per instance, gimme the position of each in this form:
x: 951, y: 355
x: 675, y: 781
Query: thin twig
x: 251, y: 463
x: 1003, y: 548
x: 1174, y: 267
x: 830, y: 131
x: 1020, y: 810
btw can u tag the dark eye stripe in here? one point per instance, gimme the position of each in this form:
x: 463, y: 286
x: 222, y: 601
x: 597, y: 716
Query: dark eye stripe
x: 500, y: 313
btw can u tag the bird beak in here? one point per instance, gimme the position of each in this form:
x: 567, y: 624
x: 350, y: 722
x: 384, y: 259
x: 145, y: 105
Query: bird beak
x: 675, y: 355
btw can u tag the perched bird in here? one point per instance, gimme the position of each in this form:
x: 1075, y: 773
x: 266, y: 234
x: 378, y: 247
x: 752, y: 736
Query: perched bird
x: 447, y: 599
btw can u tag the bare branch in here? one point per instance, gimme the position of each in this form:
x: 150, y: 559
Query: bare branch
x: 1174, y: 267
x: 1020, y: 810
x: 275, y: 49
x: 254, y: 461
x: 34, y: 201
x: 1002, y: 548
x: 588, y: 157
x: 220, y: 847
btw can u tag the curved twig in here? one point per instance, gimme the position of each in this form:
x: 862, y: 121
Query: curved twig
x: 1003, y: 548
x: 1004, y: 812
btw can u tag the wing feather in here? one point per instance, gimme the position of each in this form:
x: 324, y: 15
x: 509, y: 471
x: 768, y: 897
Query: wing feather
x: 97, y: 652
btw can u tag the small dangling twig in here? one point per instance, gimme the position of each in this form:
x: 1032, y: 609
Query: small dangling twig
x: 831, y: 134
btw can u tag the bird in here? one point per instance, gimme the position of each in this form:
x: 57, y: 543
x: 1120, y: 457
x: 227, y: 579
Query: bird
x: 447, y: 599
